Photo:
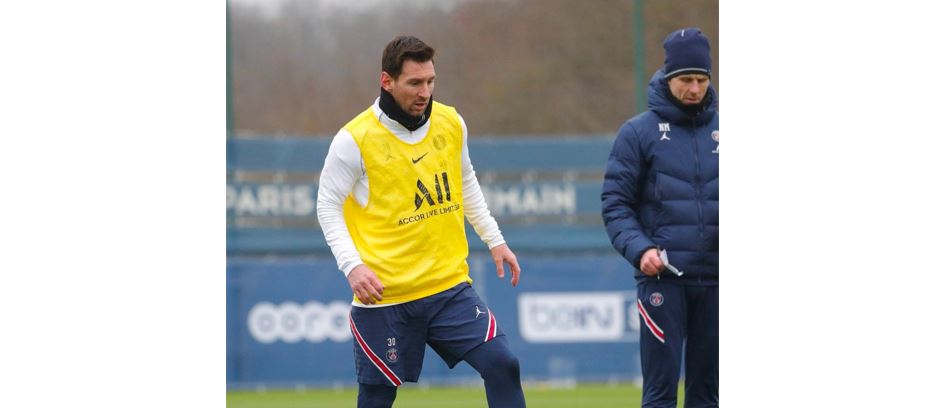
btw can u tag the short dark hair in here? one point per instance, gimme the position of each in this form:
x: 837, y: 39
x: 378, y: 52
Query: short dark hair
x: 401, y: 48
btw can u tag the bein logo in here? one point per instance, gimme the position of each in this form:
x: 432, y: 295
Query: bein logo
x: 291, y: 323
x: 577, y: 317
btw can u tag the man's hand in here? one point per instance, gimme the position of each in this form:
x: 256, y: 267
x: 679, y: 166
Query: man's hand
x: 365, y: 285
x: 651, y: 263
x: 502, y: 253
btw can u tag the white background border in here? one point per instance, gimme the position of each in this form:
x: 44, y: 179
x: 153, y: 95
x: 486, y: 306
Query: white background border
x: 112, y: 264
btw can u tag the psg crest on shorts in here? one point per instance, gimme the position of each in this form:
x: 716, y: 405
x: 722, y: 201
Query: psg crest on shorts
x: 656, y: 299
x: 392, y: 355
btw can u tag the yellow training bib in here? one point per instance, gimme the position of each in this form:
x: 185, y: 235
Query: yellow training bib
x: 411, y: 231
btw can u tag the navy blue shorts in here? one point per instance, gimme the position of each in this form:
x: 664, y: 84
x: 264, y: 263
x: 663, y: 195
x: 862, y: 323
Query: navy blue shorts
x: 390, y: 341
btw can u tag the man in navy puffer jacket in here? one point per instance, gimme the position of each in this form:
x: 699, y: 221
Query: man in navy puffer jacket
x: 661, y: 201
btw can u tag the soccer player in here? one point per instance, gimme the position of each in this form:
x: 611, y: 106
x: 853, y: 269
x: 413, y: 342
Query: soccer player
x: 395, y: 187
x: 661, y: 210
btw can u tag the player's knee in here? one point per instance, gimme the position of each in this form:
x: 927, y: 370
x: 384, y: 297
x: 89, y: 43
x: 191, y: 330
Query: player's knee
x: 512, y: 366
x: 504, y: 365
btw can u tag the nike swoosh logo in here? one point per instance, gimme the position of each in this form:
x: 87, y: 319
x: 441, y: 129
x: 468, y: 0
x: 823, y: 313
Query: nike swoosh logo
x: 414, y: 161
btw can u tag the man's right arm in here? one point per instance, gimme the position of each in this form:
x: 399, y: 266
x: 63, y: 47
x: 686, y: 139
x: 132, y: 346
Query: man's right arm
x: 343, y: 167
x: 624, y: 174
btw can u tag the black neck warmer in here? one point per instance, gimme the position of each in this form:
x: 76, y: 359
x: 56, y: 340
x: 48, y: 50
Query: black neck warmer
x: 390, y: 107
x: 691, y: 110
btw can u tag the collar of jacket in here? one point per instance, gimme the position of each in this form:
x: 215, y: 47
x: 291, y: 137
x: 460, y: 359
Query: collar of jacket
x: 691, y: 110
x: 390, y: 107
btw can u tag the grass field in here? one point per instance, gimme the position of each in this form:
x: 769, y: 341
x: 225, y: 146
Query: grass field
x: 411, y: 396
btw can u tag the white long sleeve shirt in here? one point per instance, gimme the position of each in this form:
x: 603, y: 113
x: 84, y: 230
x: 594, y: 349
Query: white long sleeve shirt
x: 344, y: 172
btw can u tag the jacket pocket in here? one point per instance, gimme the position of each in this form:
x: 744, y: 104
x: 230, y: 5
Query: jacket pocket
x: 654, y: 207
x: 665, y: 202
x: 658, y: 192
x: 662, y: 187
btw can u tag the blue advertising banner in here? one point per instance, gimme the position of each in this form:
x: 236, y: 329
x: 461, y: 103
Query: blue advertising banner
x: 572, y: 318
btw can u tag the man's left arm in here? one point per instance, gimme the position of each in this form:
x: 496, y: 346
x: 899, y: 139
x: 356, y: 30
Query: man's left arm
x: 477, y: 213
